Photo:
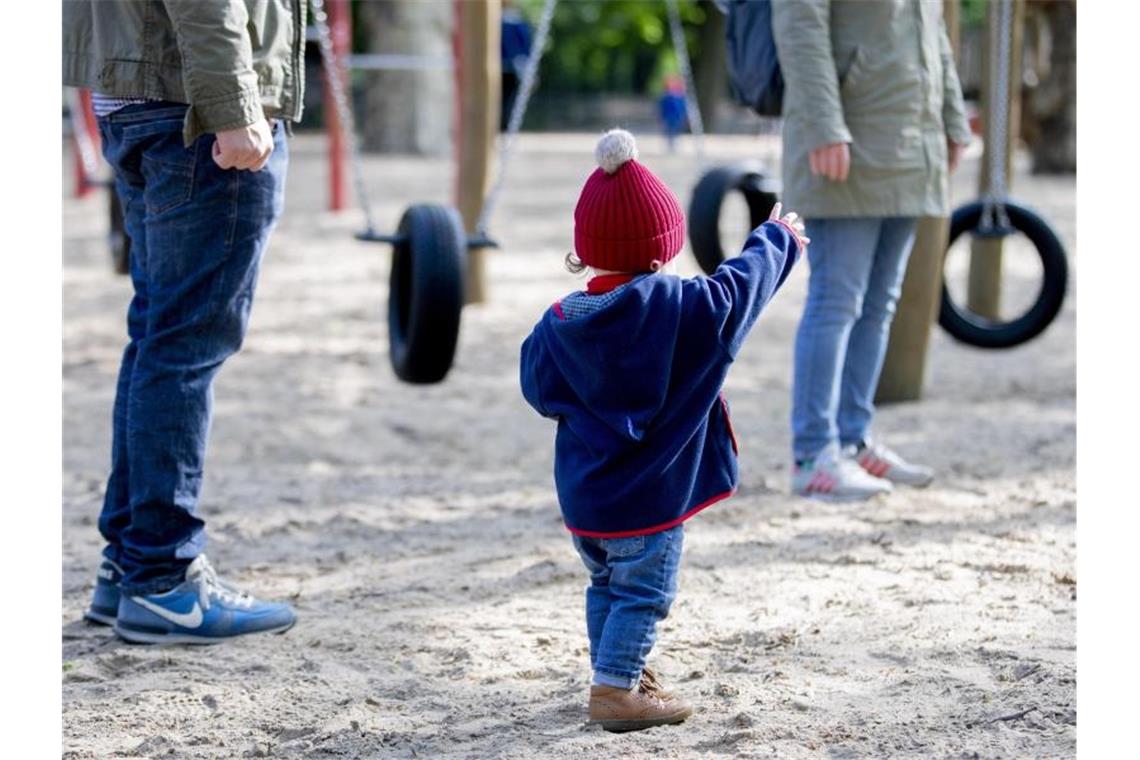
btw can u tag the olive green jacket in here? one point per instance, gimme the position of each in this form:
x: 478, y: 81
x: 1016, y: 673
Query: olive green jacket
x: 877, y: 74
x: 232, y: 61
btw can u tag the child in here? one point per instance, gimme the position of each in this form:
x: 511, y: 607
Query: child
x: 632, y: 370
x: 671, y: 109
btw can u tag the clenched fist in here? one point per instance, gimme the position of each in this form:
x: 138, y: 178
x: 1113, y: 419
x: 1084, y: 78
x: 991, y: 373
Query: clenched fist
x: 244, y: 147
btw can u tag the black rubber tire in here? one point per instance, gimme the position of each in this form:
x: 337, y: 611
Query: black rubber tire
x: 117, y: 236
x: 705, y: 206
x: 975, y: 330
x: 427, y: 289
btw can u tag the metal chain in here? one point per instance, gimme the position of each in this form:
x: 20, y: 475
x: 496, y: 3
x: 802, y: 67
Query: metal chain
x: 343, y: 109
x: 681, y: 50
x: 518, y: 110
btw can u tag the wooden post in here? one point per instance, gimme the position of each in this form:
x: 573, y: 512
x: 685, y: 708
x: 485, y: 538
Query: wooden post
x: 904, y: 367
x: 984, y: 286
x: 478, y: 88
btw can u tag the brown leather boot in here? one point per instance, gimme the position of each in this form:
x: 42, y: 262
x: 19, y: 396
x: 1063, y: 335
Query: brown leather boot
x: 642, y: 707
x: 653, y: 683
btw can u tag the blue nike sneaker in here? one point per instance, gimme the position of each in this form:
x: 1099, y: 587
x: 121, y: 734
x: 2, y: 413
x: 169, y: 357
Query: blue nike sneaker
x: 200, y: 610
x: 105, y: 600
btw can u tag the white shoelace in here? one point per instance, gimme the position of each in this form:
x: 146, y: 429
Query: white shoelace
x: 210, y: 586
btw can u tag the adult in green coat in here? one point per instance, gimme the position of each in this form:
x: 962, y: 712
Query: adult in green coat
x: 873, y: 124
x: 191, y: 97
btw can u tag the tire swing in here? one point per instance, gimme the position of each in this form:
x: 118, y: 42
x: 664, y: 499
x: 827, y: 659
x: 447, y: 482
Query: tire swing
x: 429, y: 256
x: 427, y: 284
x: 978, y: 218
x: 995, y: 215
x: 758, y: 190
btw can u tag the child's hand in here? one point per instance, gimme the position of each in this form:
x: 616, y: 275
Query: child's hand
x: 791, y: 219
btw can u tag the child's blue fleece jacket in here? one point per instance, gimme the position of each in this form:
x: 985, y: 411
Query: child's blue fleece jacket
x: 644, y: 439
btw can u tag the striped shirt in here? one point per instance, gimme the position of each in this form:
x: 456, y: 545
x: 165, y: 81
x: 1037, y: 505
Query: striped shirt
x: 108, y: 104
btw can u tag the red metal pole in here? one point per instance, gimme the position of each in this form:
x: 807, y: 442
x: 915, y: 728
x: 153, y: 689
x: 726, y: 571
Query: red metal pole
x: 84, y: 182
x: 340, y: 27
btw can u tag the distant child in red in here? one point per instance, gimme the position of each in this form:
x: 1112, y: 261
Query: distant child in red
x: 632, y: 369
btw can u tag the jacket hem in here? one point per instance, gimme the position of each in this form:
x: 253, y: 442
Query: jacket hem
x: 656, y: 528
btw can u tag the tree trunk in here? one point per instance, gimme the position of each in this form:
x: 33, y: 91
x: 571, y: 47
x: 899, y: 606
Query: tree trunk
x: 710, y: 72
x: 1050, y: 104
x: 407, y: 110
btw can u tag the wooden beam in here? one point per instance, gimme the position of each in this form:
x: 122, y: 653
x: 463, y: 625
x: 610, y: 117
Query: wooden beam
x: 478, y: 88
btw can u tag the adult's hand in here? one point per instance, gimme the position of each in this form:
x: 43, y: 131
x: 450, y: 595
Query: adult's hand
x: 832, y: 161
x: 245, y: 147
x: 954, y: 153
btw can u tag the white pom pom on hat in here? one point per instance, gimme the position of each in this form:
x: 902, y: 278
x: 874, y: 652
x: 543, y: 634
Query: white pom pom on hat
x: 615, y: 148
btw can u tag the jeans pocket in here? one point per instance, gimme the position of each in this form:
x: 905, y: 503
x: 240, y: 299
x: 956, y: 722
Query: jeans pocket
x: 167, y: 166
x: 623, y: 547
x: 169, y: 178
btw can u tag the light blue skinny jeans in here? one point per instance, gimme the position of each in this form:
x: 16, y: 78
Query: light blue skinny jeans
x: 857, y: 267
x: 633, y: 582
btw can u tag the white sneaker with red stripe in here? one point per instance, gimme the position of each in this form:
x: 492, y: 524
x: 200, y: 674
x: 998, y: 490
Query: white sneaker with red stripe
x: 831, y: 477
x: 884, y: 463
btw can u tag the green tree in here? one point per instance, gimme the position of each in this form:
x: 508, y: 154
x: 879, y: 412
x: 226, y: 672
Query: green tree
x: 612, y: 45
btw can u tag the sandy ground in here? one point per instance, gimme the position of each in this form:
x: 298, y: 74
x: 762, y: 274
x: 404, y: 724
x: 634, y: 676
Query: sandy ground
x: 440, y: 600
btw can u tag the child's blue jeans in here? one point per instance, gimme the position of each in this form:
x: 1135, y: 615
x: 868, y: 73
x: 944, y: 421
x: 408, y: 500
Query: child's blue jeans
x: 633, y: 582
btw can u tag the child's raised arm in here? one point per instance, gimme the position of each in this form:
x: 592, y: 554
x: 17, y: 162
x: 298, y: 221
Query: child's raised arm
x: 742, y: 286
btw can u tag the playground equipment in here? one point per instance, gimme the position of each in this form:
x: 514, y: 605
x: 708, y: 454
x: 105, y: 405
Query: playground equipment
x: 992, y: 218
x: 759, y: 191
x: 430, y: 246
x: 996, y: 216
x: 751, y: 180
x: 85, y: 135
x: 428, y: 249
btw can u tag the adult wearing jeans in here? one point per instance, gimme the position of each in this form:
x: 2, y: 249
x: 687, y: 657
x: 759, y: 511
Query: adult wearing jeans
x: 873, y: 125
x: 191, y: 98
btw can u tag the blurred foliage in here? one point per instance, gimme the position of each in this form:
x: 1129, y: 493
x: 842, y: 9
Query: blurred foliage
x: 973, y: 12
x: 612, y: 45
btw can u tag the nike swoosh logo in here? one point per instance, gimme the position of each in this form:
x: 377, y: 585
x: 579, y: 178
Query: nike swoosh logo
x: 191, y: 619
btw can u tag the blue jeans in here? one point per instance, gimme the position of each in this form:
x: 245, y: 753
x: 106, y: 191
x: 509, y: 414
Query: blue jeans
x: 197, y: 233
x: 633, y: 582
x: 857, y: 269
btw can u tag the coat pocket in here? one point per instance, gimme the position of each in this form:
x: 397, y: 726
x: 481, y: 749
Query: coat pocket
x: 850, y: 73
x: 879, y: 146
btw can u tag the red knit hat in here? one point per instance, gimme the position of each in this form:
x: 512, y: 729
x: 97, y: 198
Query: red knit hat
x: 626, y: 220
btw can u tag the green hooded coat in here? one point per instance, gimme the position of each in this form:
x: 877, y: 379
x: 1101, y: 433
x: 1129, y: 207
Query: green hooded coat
x: 879, y: 75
